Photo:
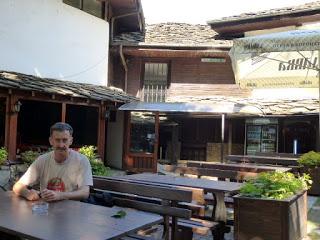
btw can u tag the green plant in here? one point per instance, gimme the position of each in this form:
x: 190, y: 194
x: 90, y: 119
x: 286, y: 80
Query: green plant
x: 310, y: 159
x: 89, y: 152
x: 3, y: 155
x: 275, y: 185
x: 97, y: 165
x: 29, y: 156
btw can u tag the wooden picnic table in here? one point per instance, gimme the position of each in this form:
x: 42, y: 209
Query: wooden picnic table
x: 69, y: 220
x: 274, y: 160
x: 245, y: 167
x: 217, y: 188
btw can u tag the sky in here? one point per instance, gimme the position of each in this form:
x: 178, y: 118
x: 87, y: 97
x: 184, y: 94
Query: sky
x: 201, y: 11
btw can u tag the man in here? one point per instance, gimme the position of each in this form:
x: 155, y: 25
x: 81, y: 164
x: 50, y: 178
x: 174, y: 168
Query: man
x: 62, y: 173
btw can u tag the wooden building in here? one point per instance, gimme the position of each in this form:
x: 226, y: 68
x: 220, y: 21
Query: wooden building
x: 183, y: 63
x: 30, y: 105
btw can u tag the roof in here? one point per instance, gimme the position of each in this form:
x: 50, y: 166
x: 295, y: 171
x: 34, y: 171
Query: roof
x: 216, y: 108
x: 268, y: 106
x: 312, y: 6
x: 173, y: 35
x: 128, y: 14
x: 14, y: 80
x: 236, y: 26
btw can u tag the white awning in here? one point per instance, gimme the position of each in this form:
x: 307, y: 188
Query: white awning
x: 286, y: 59
x: 214, y: 109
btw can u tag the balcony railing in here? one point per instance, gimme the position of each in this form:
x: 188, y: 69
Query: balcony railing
x: 153, y: 93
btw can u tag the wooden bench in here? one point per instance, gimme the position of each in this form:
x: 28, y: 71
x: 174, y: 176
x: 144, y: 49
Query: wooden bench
x: 163, y: 200
x: 231, y: 175
x: 273, y: 160
x: 248, y: 167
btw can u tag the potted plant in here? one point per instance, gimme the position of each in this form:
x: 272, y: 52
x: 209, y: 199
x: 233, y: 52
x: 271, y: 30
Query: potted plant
x: 310, y: 163
x: 3, y: 155
x: 272, y: 207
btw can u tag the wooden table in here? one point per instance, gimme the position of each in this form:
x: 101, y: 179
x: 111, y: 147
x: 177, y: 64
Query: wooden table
x: 69, y: 220
x: 245, y: 167
x: 286, y: 161
x: 217, y: 188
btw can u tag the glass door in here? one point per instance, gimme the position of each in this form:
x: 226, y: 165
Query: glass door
x: 253, y: 139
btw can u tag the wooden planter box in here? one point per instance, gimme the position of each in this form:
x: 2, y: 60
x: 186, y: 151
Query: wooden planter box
x: 265, y: 219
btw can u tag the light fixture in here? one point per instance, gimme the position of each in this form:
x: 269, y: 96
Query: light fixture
x: 16, y: 107
x: 107, y: 115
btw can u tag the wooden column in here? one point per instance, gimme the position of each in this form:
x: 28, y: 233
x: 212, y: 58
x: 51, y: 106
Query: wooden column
x: 156, y: 141
x: 230, y: 137
x: 127, y: 162
x: 101, y: 131
x: 222, y: 137
x: 11, y: 127
x: 63, y: 112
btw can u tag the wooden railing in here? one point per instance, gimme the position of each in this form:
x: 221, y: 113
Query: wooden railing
x: 153, y: 93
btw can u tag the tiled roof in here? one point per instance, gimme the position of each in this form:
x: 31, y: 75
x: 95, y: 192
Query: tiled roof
x: 274, y: 107
x: 13, y: 80
x: 173, y: 35
x: 269, y: 13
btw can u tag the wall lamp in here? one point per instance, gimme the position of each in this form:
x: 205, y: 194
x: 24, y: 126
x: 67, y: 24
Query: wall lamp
x: 16, y: 107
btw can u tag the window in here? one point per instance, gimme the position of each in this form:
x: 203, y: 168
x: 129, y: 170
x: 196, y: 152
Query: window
x: 92, y: 7
x: 155, y: 82
x: 142, y: 135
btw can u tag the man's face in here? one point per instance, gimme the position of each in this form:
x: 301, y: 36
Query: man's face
x: 60, y: 141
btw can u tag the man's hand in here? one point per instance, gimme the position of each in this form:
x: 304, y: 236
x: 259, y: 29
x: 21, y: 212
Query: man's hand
x: 32, y: 195
x: 49, y: 195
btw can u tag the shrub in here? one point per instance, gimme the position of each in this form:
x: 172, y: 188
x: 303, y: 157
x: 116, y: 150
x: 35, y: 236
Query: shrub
x: 89, y: 152
x: 310, y: 159
x: 3, y: 155
x: 97, y: 165
x: 275, y: 185
x: 29, y: 156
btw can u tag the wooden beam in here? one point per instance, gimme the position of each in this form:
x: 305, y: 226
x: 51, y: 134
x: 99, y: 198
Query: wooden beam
x: 156, y: 141
x: 11, y: 127
x: 101, y: 131
x: 63, y: 112
x: 172, y: 53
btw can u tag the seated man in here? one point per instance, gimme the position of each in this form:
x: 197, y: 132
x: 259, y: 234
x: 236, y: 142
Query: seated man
x: 62, y: 173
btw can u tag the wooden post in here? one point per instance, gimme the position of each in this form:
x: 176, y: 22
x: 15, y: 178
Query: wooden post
x: 63, y: 112
x: 101, y: 131
x: 156, y: 142
x: 222, y: 136
x: 127, y: 162
x: 230, y: 138
x: 11, y: 127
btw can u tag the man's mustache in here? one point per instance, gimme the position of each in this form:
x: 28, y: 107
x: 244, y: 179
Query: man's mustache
x: 60, y: 148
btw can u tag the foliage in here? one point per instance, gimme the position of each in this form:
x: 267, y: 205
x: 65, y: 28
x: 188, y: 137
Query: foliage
x: 29, y: 156
x: 89, y: 152
x: 120, y: 214
x: 97, y: 165
x: 310, y: 159
x: 275, y: 185
x: 3, y: 155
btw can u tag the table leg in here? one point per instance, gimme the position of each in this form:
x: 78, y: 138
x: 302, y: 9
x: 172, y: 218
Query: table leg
x: 219, y: 212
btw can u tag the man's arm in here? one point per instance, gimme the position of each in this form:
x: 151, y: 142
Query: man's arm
x: 22, y: 190
x: 81, y: 193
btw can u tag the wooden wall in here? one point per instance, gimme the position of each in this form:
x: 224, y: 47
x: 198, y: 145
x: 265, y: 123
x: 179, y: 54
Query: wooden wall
x: 185, y: 72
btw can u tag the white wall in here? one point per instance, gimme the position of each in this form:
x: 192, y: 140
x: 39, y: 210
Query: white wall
x: 115, y: 133
x: 48, y: 38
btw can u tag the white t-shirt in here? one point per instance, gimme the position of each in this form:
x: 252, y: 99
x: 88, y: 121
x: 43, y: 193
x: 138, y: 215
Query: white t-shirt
x: 68, y: 176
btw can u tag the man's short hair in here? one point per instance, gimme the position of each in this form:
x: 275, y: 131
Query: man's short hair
x: 61, y: 127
